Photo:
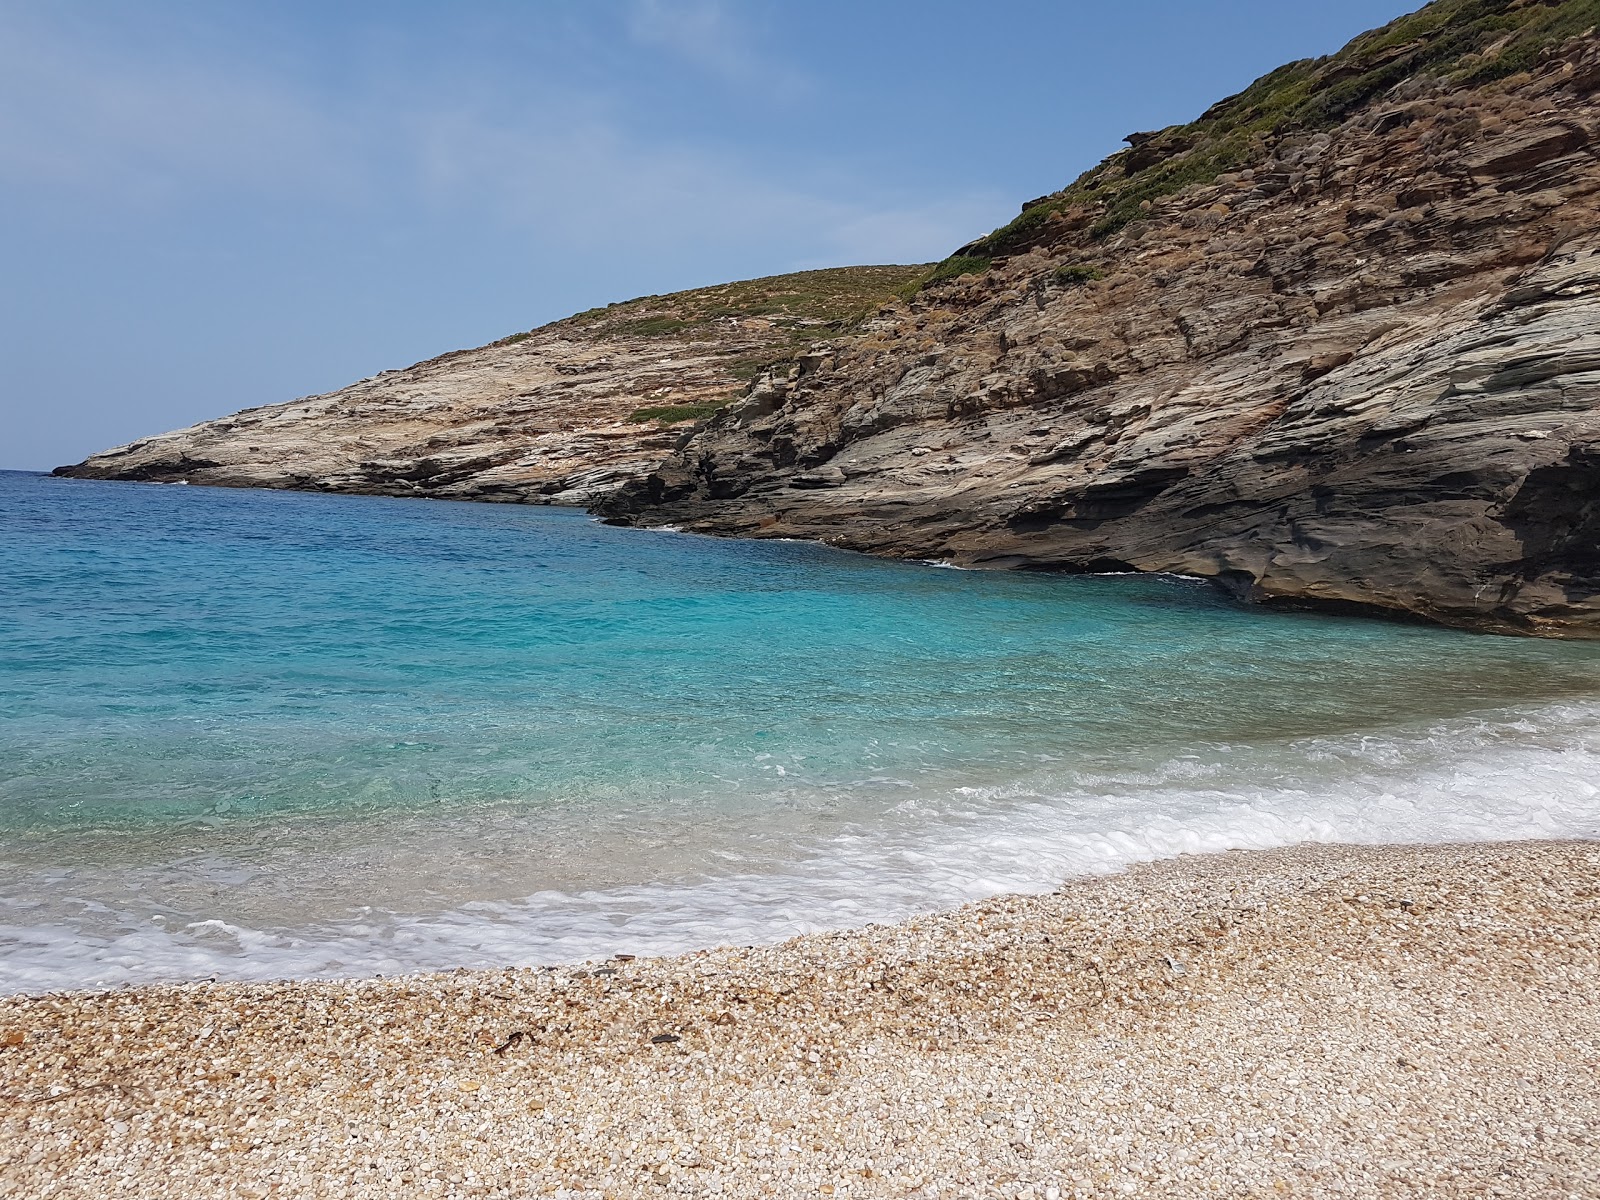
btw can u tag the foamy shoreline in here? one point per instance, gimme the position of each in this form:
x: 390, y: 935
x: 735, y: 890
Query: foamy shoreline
x: 1514, y: 773
x: 1385, y: 1020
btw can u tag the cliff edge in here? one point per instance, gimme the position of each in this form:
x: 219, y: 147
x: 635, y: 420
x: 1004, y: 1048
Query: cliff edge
x: 1335, y: 343
x: 562, y: 414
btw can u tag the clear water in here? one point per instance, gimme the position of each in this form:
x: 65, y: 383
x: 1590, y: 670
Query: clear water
x: 252, y: 734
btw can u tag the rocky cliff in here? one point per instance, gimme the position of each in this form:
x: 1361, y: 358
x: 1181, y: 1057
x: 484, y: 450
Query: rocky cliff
x: 562, y: 414
x: 1336, y: 343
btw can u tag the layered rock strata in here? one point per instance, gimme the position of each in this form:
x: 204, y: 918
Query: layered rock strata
x: 1335, y: 343
x: 563, y: 414
x: 1362, y: 372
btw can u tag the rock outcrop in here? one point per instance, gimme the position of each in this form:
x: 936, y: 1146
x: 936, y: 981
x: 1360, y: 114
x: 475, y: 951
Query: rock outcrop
x: 561, y: 415
x: 1348, y: 358
x: 1334, y: 343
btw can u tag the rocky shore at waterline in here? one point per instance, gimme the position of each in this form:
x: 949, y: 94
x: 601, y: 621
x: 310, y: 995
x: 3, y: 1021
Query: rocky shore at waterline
x: 562, y: 414
x: 1330, y: 343
x: 1322, y: 1020
x: 1358, y: 373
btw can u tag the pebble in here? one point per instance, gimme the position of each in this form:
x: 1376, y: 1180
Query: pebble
x: 1023, y: 1047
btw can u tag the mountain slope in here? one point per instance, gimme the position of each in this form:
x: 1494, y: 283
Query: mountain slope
x: 1335, y: 343
x: 562, y: 414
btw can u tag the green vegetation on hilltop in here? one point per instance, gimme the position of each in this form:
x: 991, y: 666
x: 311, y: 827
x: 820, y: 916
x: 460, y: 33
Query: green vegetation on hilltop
x: 953, y: 267
x: 957, y: 266
x: 1462, y: 41
x: 797, y: 309
x: 761, y: 321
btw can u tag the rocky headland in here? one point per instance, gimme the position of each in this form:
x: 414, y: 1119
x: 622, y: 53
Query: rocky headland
x: 1334, y: 343
x: 1337, y: 342
x: 562, y: 414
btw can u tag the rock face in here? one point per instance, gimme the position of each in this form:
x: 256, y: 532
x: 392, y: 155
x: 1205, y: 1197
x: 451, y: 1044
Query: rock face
x: 1356, y: 367
x: 562, y: 415
x: 1334, y: 343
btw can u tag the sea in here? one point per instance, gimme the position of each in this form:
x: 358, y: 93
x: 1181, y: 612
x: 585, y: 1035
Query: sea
x: 250, y: 734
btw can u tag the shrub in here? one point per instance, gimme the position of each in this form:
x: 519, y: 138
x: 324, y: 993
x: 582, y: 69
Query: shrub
x: 1074, y: 274
x: 955, y: 267
x: 674, y: 414
x: 655, y: 326
x: 1466, y: 41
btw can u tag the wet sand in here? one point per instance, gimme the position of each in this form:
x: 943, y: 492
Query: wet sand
x: 1353, y: 1021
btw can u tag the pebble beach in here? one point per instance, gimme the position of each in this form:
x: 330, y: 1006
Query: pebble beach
x: 1314, y: 1021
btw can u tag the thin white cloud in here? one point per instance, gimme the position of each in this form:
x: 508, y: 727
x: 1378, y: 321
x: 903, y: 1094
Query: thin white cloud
x: 714, y: 37
x: 592, y: 185
x: 81, y: 120
x: 78, y: 116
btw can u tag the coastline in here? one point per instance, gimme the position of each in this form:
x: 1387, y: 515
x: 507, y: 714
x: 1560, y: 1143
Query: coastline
x: 1368, y: 1020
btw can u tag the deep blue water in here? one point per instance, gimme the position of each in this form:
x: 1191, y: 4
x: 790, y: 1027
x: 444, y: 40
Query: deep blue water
x: 259, y: 732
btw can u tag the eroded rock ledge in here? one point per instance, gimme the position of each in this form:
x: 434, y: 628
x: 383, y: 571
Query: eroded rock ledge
x: 1363, y: 372
x: 563, y: 414
x: 1335, y: 343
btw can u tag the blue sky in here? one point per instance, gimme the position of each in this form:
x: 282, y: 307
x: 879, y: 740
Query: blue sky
x: 209, y: 206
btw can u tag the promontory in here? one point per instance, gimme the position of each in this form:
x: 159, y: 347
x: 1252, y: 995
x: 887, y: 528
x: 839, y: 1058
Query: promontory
x: 1335, y: 342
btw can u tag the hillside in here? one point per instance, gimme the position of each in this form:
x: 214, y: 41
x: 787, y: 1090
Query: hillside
x: 561, y: 414
x: 1334, y: 343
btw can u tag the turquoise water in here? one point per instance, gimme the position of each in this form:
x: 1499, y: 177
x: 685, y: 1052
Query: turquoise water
x: 247, y: 733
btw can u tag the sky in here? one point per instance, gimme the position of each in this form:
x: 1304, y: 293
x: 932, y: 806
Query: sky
x: 210, y: 206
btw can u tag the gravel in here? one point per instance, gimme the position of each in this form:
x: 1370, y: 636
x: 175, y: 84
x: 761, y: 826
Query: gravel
x: 1316, y: 1021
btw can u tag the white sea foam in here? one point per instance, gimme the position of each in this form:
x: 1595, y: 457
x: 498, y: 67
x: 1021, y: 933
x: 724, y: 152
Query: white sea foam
x: 1521, y: 773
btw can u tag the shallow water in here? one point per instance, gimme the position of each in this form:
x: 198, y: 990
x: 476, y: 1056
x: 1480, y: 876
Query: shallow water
x: 253, y: 734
